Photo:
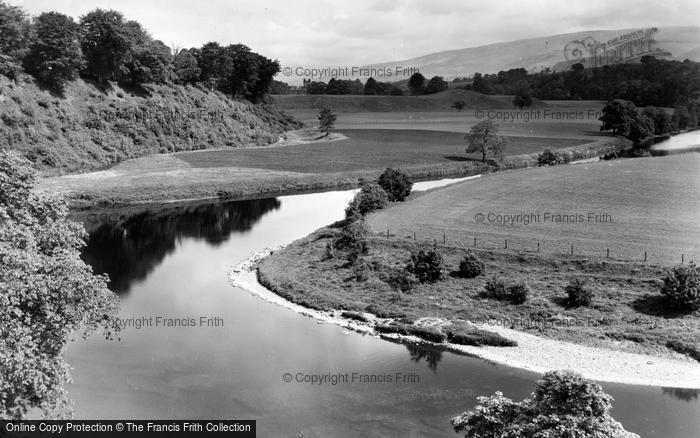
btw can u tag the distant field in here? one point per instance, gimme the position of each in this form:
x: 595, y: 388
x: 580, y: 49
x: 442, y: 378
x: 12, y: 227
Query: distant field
x: 431, y: 102
x: 364, y: 149
x: 561, y: 119
x: 651, y: 203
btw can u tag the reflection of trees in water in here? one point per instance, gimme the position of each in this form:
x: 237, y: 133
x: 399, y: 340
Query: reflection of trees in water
x: 129, y: 250
x: 684, y: 394
x: 432, y: 355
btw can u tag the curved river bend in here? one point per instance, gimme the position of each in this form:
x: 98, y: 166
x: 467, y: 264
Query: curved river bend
x: 174, y: 263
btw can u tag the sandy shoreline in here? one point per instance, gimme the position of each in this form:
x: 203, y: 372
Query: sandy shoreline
x: 533, y: 353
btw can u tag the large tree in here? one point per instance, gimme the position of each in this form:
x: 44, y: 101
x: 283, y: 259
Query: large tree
x: 54, y: 56
x: 186, y: 68
x: 435, y: 84
x: 522, y: 98
x: 564, y: 405
x: 371, y: 87
x: 106, y: 41
x: 483, y: 138
x: 47, y: 295
x: 14, y: 30
x: 416, y: 84
x: 148, y: 60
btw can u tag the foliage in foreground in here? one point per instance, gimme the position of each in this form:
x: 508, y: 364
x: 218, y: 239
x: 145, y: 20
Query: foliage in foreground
x: 47, y: 294
x: 563, y: 405
x: 682, y: 287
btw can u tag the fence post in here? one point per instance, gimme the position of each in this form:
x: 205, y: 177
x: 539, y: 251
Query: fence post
x: 538, y: 246
x: 475, y: 242
x: 387, y: 233
x: 414, y: 235
x: 682, y: 258
x: 506, y: 247
x: 645, y: 256
x: 607, y: 256
x: 572, y: 249
x: 444, y: 239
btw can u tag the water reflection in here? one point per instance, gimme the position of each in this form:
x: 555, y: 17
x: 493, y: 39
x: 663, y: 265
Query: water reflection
x: 432, y: 355
x: 683, y: 394
x: 129, y: 250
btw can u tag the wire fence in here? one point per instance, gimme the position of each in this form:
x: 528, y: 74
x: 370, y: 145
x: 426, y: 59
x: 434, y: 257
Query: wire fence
x: 629, y: 253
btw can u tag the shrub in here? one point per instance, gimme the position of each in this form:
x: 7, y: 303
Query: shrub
x: 495, y: 288
x: 470, y: 266
x: 402, y: 280
x: 477, y: 337
x: 371, y: 197
x: 380, y: 312
x: 426, y: 265
x: 517, y: 293
x: 362, y: 269
x: 577, y: 294
x: 400, y: 329
x: 549, y: 158
x: 428, y: 333
x: 352, y: 238
x: 498, y: 290
x: 396, y: 184
x: 683, y: 348
x: 357, y: 316
x: 682, y: 286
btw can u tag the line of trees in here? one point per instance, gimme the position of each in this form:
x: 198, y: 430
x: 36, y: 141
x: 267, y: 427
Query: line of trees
x: 623, y: 118
x: 651, y: 82
x: 104, y: 46
x: 353, y: 87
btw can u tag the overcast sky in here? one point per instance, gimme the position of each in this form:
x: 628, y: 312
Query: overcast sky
x: 358, y: 32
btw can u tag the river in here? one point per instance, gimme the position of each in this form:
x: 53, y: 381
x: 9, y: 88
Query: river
x: 174, y: 262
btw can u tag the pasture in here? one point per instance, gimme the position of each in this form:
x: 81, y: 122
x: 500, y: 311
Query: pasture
x: 364, y: 149
x: 629, y: 206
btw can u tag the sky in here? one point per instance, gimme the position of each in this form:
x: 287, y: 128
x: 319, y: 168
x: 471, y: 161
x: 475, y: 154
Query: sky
x: 353, y: 33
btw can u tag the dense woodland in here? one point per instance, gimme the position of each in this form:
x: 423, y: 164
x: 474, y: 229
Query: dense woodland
x: 652, y: 82
x: 104, y: 46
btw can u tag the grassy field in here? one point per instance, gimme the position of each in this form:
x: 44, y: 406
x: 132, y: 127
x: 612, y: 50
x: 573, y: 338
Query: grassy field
x: 364, y: 149
x: 653, y: 205
x: 554, y: 119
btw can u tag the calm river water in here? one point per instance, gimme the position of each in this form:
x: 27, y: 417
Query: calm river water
x: 174, y: 263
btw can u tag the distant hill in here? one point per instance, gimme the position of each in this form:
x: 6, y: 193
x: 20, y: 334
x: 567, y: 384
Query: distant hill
x: 87, y: 129
x: 441, y: 101
x: 538, y: 53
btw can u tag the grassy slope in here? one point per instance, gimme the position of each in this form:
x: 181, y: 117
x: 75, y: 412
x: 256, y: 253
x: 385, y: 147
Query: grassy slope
x: 627, y: 314
x: 653, y: 203
x: 86, y: 129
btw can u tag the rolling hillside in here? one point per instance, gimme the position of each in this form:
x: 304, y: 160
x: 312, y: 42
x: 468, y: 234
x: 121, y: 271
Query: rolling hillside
x: 538, y: 53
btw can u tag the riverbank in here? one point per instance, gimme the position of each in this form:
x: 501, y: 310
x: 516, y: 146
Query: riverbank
x: 168, y: 178
x: 627, y: 335
x: 532, y: 353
